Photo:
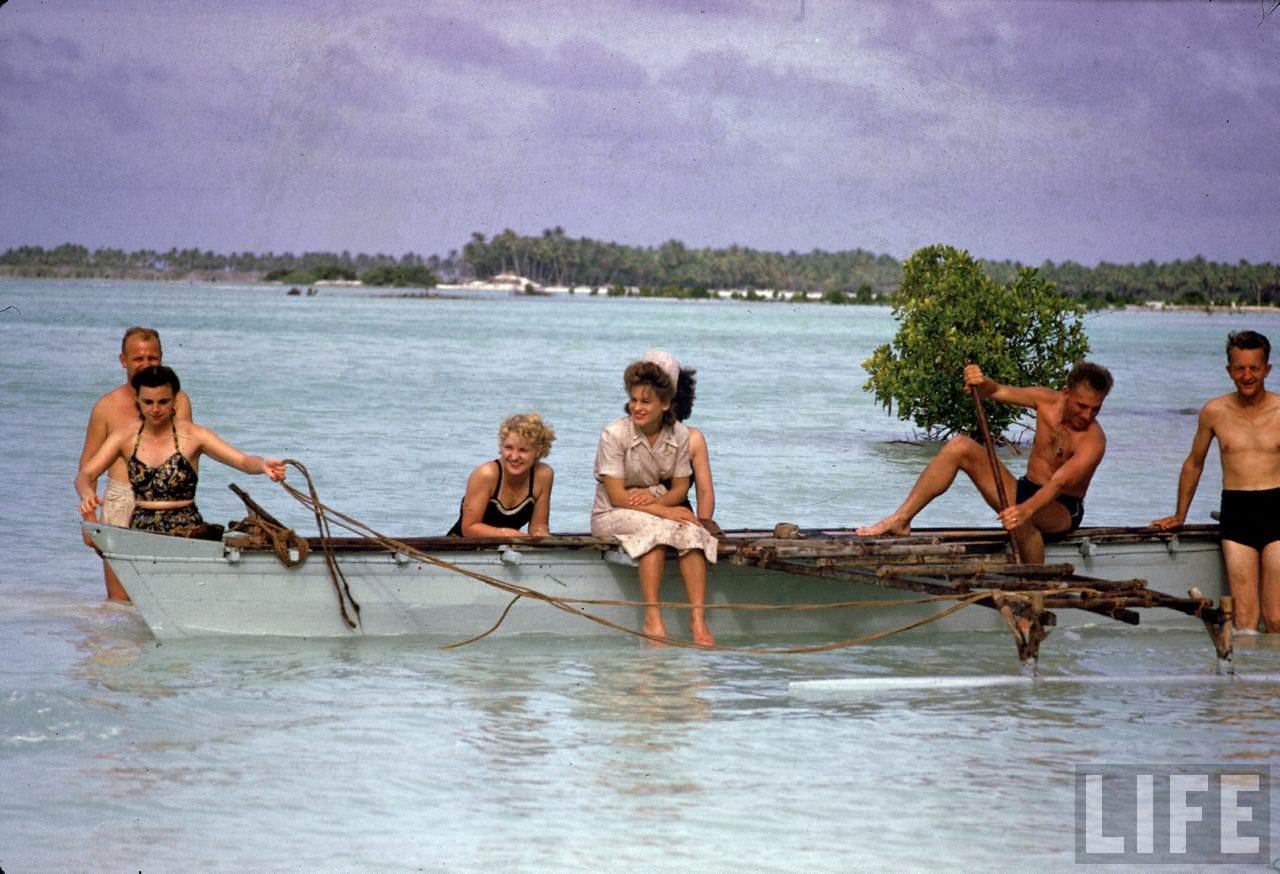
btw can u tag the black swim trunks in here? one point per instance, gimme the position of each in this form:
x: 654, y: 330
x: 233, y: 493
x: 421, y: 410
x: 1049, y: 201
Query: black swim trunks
x: 1074, y: 505
x: 1250, y: 517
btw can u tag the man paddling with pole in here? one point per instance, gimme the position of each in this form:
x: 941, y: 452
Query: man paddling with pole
x: 1066, y: 451
x: 1246, y: 424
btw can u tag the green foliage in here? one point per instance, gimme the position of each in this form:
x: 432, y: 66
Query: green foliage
x: 401, y: 276
x: 383, y: 275
x: 291, y: 277
x: 951, y: 313
x: 678, y: 292
x: 297, y: 276
x: 554, y: 258
x: 73, y: 260
x: 333, y: 271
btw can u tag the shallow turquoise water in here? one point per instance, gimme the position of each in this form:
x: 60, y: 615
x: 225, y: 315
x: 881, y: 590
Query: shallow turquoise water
x: 535, y: 754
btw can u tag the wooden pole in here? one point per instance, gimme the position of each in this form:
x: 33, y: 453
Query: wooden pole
x: 1001, y: 495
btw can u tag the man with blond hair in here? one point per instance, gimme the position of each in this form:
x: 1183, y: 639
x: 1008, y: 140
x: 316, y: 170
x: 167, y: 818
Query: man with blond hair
x: 1246, y: 424
x: 118, y: 408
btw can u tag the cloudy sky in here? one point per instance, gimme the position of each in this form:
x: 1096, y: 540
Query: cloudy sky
x: 1028, y: 130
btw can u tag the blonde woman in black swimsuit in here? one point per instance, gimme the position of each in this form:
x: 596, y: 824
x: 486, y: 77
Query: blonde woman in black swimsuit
x: 163, y: 457
x: 513, y: 490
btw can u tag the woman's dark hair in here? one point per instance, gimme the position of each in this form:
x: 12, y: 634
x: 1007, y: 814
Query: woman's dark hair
x: 154, y: 377
x: 686, y: 388
x: 647, y: 373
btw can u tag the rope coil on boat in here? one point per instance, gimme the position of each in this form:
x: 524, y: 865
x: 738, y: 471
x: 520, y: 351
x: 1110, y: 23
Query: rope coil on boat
x: 260, y: 528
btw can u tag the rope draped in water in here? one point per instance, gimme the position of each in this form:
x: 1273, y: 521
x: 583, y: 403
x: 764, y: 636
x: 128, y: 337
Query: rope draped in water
x: 323, y: 513
x: 340, y: 585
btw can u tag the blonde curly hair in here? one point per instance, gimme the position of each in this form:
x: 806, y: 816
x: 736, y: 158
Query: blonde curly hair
x: 531, y: 428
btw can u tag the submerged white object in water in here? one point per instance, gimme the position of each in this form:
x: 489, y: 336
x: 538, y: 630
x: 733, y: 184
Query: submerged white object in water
x: 873, y: 685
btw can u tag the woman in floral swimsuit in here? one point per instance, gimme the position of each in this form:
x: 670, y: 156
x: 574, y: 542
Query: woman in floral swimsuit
x: 163, y: 457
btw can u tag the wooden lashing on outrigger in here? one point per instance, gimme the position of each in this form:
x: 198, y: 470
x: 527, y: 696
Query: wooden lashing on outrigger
x: 1025, y: 594
x: 1028, y: 620
x: 1028, y: 616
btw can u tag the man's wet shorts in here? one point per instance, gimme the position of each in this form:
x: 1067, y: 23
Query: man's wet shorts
x: 1250, y: 517
x: 117, y: 503
x: 1074, y: 505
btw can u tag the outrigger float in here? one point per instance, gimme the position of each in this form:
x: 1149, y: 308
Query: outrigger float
x: 769, y: 586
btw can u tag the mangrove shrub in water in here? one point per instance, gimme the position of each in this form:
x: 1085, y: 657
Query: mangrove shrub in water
x: 951, y: 313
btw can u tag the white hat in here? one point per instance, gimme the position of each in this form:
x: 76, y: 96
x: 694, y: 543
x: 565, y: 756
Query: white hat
x: 667, y: 362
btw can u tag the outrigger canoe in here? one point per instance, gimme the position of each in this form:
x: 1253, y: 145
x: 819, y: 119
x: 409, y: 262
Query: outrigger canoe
x: 806, y: 585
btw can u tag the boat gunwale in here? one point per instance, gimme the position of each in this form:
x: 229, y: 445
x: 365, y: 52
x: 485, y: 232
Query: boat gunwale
x: 821, y: 540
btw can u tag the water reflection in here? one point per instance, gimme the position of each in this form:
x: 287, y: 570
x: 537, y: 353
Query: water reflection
x: 510, y: 725
x: 647, y: 686
x: 112, y: 638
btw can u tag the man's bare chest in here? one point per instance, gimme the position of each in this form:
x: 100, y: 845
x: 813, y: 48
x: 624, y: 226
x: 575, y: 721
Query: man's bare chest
x: 1055, y: 444
x: 1240, y: 432
x: 122, y: 411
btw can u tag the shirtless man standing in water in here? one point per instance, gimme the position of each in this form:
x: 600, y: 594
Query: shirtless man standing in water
x: 116, y: 409
x: 1067, y: 449
x: 1247, y: 426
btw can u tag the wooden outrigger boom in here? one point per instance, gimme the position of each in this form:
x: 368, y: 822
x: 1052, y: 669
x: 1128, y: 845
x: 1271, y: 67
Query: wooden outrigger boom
x: 954, y: 565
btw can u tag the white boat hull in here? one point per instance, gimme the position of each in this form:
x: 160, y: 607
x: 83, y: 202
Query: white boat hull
x: 192, y: 588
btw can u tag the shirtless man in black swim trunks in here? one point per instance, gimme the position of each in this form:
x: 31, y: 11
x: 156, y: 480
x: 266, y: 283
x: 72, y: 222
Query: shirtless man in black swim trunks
x: 1246, y: 424
x: 1067, y: 449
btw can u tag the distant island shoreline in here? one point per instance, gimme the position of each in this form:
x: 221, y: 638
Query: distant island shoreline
x: 555, y: 263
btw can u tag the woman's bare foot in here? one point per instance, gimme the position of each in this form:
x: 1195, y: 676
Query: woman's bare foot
x: 655, y: 632
x: 887, y: 525
x: 702, y: 634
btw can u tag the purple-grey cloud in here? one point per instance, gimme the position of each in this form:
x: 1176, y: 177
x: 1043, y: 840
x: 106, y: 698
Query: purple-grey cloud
x: 462, y: 45
x: 57, y: 76
x: 628, y: 126
x: 577, y: 62
x: 728, y: 8
x: 793, y: 94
